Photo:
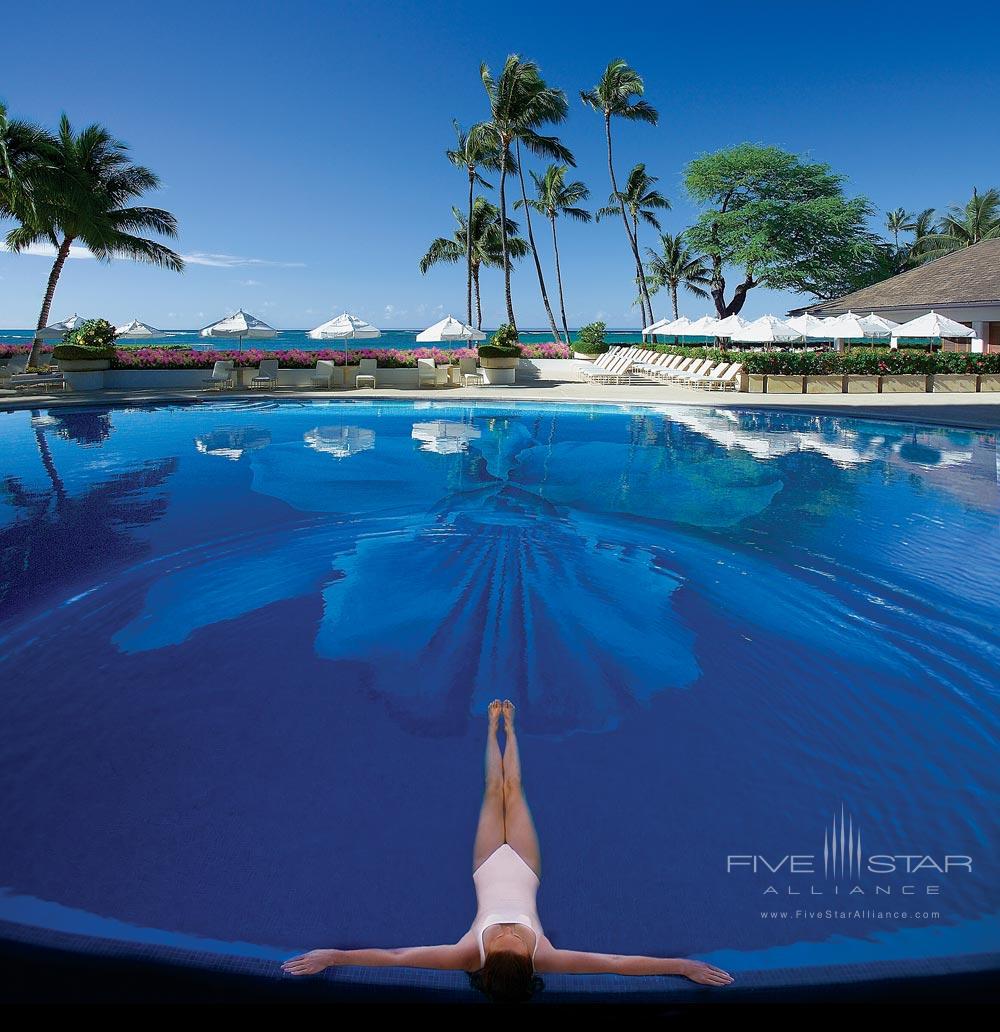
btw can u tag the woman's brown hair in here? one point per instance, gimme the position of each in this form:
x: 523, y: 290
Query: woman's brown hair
x: 507, y: 978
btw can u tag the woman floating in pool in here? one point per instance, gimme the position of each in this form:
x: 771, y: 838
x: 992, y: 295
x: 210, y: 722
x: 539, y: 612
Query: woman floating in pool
x: 506, y: 946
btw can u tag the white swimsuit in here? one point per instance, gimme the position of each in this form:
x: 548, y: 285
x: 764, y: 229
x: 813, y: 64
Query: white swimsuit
x: 506, y: 888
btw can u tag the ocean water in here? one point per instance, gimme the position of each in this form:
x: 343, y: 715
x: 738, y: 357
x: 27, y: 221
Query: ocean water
x: 400, y: 340
x: 246, y: 651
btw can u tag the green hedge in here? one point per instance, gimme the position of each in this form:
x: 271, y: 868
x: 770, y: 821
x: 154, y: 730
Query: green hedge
x: 859, y: 361
x: 590, y: 340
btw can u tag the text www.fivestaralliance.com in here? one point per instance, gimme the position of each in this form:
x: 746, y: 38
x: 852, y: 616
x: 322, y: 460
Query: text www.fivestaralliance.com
x: 849, y: 915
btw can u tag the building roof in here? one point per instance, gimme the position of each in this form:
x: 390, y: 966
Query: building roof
x: 969, y: 276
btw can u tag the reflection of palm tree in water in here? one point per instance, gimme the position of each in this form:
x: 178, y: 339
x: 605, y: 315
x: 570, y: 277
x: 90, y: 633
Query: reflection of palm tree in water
x: 92, y: 528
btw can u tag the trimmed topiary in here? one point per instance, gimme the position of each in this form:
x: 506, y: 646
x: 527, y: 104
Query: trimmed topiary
x: 590, y: 340
x: 503, y: 344
x: 94, y: 339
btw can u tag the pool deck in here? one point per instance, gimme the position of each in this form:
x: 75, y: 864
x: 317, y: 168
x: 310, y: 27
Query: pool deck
x: 977, y: 411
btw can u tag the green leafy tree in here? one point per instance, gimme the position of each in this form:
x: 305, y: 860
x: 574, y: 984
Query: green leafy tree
x: 961, y: 227
x: 554, y: 197
x: 784, y: 222
x: 642, y: 200
x: 619, y: 94
x: 675, y: 266
x: 520, y: 104
x: 898, y: 221
x: 487, y: 246
x: 474, y: 149
x: 89, y: 181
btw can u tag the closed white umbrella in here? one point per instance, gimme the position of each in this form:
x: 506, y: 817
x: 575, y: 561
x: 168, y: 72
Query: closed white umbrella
x: 345, y: 327
x: 58, y: 330
x: 240, y: 325
x: 768, y: 329
x: 449, y: 328
x: 136, y: 330
x: 811, y: 327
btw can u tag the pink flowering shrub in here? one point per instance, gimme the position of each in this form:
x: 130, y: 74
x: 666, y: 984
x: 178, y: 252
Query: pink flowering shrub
x: 387, y: 358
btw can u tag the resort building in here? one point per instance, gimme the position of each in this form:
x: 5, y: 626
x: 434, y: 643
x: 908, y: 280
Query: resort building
x: 963, y: 285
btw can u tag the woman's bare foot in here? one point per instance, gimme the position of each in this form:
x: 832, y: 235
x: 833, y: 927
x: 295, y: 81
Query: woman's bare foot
x: 508, y: 715
x: 493, y: 714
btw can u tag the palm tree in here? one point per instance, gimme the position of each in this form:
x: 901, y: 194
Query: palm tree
x: 556, y: 197
x: 90, y: 182
x: 23, y: 150
x: 898, y: 221
x: 642, y: 201
x: 473, y: 150
x: 961, y: 227
x: 520, y: 104
x: 617, y: 96
x: 487, y: 245
x: 674, y: 266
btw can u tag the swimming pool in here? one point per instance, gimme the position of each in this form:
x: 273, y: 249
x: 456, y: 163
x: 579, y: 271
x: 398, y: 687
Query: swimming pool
x: 245, y: 650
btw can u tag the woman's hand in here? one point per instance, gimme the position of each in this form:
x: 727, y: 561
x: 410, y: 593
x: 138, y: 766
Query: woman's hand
x: 311, y: 963
x: 704, y: 974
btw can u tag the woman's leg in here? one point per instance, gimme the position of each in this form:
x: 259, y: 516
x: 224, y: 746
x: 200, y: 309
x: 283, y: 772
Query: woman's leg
x: 490, y: 832
x: 520, y: 828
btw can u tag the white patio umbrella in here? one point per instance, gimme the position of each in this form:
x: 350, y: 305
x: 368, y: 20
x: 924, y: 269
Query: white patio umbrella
x: 728, y: 326
x: 240, y: 325
x: 345, y: 327
x: 703, y: 327
x: 811, y: 327
x: 877, y: 325
x: 851, y: 326
x: 58, y: 330
x: 768, y: 329
x: 136, y: 330
x: 655, y: 327
x: 449, y: 328
x: 931, y: 327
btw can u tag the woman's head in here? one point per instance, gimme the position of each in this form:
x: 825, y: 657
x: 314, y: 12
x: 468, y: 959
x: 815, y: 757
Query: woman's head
x: 507, y: 976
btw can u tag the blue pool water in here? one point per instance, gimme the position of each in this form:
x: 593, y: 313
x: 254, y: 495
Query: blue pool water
x: 245, y: 651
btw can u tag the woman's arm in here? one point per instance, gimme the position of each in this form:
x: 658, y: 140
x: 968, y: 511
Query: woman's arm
x: 577, y: 962
x: 452, y: 957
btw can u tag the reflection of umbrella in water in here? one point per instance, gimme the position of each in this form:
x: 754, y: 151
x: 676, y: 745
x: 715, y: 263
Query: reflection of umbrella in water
x: 444, y: 436
x: 339, y: 441
x: 231, y: 444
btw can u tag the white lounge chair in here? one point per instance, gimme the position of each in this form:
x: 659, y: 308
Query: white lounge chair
x: 322, y: 375
x: 469, y: 374
x: 698, y: 367
x: 14, y: 366
x: 37, y: 381
x: 222, y: 376
x: 266, y: 376
x: 727, y: 380
x: 367, y: 368
x: 429, y: 374
x: 618, y: 370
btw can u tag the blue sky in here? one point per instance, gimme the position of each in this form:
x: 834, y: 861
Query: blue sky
x: 301, y: 144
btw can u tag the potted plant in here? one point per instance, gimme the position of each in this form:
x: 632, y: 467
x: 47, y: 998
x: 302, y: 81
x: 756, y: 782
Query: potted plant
x: 88, y: 348
x: 499, y: 356
x: 590, y: 342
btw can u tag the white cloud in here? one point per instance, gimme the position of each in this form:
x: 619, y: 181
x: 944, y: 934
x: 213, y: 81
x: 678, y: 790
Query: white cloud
x: 48, y: 251
x: 250, y: 283
x: 218, y: 261
x: 232, y: 261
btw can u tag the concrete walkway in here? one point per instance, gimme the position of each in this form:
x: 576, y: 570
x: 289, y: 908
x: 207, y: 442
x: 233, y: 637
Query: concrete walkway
x: 966, y: 410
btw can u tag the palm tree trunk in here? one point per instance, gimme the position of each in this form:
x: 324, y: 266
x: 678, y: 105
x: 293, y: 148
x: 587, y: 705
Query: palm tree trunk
x: 562, y: 301
x: 673, y: 299
x: 58, y: 487
x: 61, y: 255
x: 640, y: 280
x: 534, y: 250
x: 468, y: 253
x: 479, y: 307
x: 503, y: 236
x: 643, y: 292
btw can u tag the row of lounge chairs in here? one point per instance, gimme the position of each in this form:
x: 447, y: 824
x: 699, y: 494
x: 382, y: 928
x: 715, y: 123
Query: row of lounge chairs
x: 428, y: 374
x: 638, y: 365
x: 13, y: 375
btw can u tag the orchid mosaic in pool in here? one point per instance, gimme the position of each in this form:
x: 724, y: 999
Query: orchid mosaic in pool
x: 246, y: 649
